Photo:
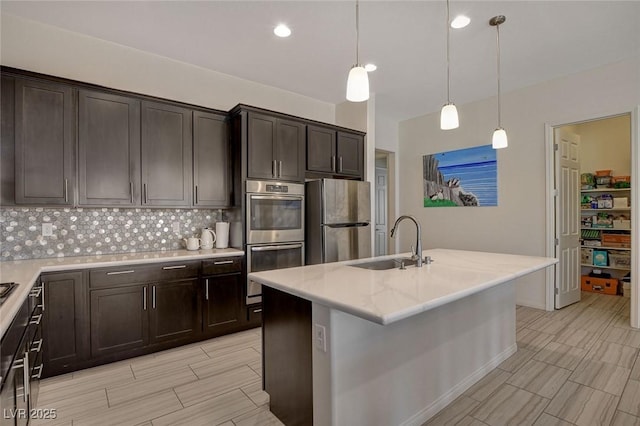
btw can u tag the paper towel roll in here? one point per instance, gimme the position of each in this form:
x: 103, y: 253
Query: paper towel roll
x: 222, y: 234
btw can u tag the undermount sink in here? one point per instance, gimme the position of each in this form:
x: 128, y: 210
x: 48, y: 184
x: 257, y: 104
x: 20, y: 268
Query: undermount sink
x: 385, y: 264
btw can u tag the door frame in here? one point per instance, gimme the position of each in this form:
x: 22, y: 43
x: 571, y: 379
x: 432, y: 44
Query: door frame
x: 550, y: 195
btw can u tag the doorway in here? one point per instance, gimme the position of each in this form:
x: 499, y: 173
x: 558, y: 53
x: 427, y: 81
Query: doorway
x: 384, y: 201
x: 589, y: 234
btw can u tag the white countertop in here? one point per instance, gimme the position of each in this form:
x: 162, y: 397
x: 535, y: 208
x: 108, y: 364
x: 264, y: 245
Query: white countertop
x: 25, y: 272
x: 391, y: 295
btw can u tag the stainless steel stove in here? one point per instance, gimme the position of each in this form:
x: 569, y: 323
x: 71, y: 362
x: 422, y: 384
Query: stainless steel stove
x: 5, y: 290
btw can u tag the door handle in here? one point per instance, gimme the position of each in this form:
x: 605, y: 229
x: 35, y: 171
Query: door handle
x: 341, y: 163
x: 153, y: 296
x: 129, y: 271
x: 273, y: 169
x: 144, y: 298
x: 39, y: 373
x: 36, y: 320
x: 196, y: 196
x: 223, y: 262
x: 131, y: 191
x: 206, y: 289
x: 280, y: 247
x: 144, y: 188
x: 37, y: 349
x: 168, y: 268
x: 66, y: 191
x: 333, y: 163
x: 280, y: 168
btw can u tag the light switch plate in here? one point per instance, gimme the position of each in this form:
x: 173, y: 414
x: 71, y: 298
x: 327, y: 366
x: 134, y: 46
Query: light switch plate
x: 175, y: 227
x: 47, y: 229
x: 320, y: 337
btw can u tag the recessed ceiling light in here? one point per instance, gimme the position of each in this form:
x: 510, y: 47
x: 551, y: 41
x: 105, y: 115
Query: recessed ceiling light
x: 370, y: 67
x: 282, y: 31
x: 460, y: 21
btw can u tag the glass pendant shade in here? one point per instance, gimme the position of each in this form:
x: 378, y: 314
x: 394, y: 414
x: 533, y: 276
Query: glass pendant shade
x: 449, y: 117
x: 499, y: 139
x: 358, y: 84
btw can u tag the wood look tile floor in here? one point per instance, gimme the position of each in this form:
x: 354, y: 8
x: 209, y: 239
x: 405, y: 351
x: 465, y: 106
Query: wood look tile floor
x: 576, y: 366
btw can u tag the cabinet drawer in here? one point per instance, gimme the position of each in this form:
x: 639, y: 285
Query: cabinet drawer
x: 254, y: 314
x: 223, y: 265
x: 129, y: 274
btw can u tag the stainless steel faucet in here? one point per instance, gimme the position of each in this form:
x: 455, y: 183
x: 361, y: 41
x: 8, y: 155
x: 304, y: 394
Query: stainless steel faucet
x: 417, y: 256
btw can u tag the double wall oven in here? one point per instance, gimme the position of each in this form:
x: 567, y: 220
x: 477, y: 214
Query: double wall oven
x: 274, y: 229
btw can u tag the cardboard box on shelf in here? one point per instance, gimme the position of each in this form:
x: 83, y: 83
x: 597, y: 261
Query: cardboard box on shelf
x: 620, y: 202
x: 616, y: 240
x: 621, y: 224
x: 586, y: 256
x: 600, y: 258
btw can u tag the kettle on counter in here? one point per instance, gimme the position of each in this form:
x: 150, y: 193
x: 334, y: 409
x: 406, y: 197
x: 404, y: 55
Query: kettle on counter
x: 207, y: 238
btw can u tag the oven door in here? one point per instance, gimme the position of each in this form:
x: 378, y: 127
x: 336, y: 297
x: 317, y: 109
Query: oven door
x: 274, y: 218
x: 268, y: 257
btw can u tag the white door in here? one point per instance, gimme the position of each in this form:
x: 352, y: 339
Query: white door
x: 567, y: 160
x: 381, y: 212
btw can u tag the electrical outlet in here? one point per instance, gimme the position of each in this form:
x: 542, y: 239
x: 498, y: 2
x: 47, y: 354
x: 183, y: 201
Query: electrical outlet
x: 175, y: 227
x: 47, y: 229
x: 320, y: 337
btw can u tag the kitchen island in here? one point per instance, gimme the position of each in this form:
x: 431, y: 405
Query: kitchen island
x: 345, y: 345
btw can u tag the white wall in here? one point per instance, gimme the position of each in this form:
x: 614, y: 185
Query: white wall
x: 42, y: 48
x: 517, y: 224
x: 605, y: 145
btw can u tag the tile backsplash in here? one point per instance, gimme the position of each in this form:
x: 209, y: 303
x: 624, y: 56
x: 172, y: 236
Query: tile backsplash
x: 95, y: 231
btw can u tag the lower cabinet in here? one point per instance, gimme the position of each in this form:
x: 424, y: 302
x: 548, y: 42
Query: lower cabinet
x: 119, y: 319
x: 65, y: 322
x: 174, y: 313
x: 222, y: 304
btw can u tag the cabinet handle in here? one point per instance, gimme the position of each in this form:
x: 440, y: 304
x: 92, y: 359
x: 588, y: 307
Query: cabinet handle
x: 144, y: 298
x: 168, y: 268
x: 206, y: 289
x: 153, y: 296
x: 280, y: 168
x: 39, y: 343
x: 36, y: 320
x: 257, y: 311
x: 333, y: 163
x: 144, y: 190
x: 273, y: 169
x: 223, y: 262
x: 39, y: 374
x: 196, y: 202
x: 341, y: 163
x: 35, y: 292
x: 66, y: 191
x: 129, y: 271
x: 131, y: 191
x: 25, y: 375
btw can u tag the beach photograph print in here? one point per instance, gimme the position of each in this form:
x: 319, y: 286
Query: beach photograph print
x: 464, y: 177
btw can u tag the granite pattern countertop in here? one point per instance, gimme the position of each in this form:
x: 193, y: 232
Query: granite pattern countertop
x: 391, y: 295
x: 26, y: 272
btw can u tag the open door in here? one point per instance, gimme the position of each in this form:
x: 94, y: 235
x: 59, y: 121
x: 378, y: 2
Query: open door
x: 567, y: 161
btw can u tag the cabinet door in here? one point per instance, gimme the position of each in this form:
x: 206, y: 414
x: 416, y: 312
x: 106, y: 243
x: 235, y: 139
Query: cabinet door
x: 350, y: 153
x: 44, y: 143
x: 108, y: 149
x: 7, y: 138
x: 166, y: 155
x: 65, y: 323
x: 290, y: 148
x: 211, y: 159
x: 119, y: 319
x: 174, y: 310
x: 261, y: 146
x: 223, y: 303
x: 321, y: 149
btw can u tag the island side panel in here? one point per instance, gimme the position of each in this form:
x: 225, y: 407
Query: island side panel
x: 287, y: 362
x: 404, y: 373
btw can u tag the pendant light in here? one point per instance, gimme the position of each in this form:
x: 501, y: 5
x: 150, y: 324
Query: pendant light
x: 358, y: 80
x: 449, y: 113
x: 499, y: 139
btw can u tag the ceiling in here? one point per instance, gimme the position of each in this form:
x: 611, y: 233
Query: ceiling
x: 540, y: 40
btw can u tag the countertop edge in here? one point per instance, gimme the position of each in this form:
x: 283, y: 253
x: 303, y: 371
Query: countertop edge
x: 9, y: 309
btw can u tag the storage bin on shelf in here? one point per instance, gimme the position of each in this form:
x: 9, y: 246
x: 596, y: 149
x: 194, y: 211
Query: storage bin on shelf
x: 619, y: 259
x: 616, y: 240
x: 621, y: 182
x: 599, y: 285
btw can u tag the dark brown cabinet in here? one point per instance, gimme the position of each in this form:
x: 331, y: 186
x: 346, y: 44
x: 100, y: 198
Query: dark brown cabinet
x: 108, y: 149
x: 166, y: 155
x: 275, y: 148
x: 174, y: 313
x: 119, y: 319
x: 65, y: 322
x: 223, y: 301
x: 44, y: 143
x: 335, y: 152
x: 211, y: 160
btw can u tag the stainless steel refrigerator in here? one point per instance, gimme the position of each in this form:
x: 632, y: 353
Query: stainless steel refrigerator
x: 337, y: 220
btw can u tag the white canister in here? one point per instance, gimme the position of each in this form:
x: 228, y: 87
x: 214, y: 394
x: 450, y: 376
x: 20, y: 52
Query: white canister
x: 222, y: 234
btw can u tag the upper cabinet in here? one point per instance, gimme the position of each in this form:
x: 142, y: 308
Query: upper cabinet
x: 275, y: 148
x: 166, y: 155
x: 335, y: 152
x: 44, y: 143
x: 211, y: 160
x: 108, y: 149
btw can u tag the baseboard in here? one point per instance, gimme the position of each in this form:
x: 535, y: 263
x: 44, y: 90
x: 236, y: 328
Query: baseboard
x: 530, y: 304
x: 426, y: 413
